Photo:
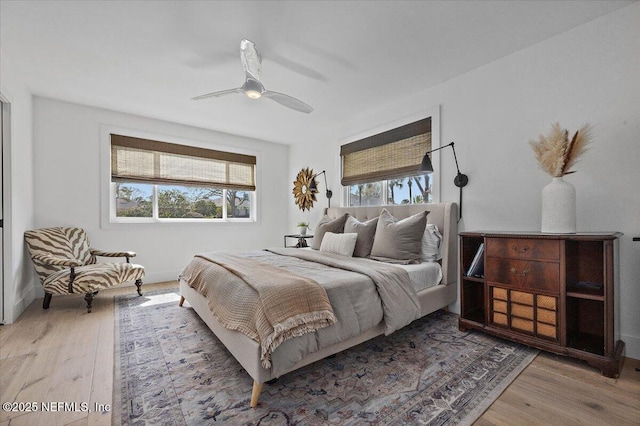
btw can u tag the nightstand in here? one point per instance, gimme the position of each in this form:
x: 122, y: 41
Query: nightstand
x: 302, y: 240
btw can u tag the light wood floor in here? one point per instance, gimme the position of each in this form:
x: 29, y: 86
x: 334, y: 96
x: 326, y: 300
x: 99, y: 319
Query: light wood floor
x: 64, y: 355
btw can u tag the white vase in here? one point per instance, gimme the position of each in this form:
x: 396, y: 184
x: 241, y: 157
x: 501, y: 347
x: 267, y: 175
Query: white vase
x: 559, y: 207
x: 302, y: 230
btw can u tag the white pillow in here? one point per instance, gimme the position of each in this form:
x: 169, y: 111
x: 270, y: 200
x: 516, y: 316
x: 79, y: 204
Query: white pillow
x: 431, y: 244
x: 342, y: 244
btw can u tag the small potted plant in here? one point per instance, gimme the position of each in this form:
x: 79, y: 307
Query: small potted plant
x: 302, y: 228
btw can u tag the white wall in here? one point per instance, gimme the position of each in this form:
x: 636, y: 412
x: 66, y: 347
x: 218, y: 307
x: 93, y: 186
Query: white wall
x: 68, y: 188
x: 589, y: 74
x: 18, y: 196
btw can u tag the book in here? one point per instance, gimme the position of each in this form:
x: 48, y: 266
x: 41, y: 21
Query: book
x: 477, y: 264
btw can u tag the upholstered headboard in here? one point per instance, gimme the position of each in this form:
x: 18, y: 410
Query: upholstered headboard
x: 444, y: 215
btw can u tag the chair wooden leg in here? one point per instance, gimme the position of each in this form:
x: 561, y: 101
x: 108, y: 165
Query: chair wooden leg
x: 47, y: 300
x: 181, y: 300
x: 139, y: 286
x: 89, y: 299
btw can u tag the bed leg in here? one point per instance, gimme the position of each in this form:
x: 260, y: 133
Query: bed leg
x: 181, y: 300
x: 255, y: 394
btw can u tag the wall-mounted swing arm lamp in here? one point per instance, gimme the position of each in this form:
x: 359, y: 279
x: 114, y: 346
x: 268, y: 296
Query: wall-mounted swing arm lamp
x: 460, y: 180
x: 314, y: 186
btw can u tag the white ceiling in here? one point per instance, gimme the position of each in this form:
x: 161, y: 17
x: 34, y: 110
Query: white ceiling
x: 342, y: 58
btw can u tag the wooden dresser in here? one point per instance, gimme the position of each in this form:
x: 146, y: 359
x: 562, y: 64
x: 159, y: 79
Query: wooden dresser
x: 550, y: 291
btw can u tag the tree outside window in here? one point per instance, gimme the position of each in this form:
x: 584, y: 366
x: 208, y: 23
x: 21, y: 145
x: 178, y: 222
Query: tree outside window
x: 134, y: 200
x: 181, y: 202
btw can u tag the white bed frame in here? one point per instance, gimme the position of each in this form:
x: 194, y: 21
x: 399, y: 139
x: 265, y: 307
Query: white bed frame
x: 247, y: 351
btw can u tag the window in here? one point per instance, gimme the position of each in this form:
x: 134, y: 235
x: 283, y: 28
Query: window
x: 382, y: 169
x: 408, y: 190
x: 159, y: 181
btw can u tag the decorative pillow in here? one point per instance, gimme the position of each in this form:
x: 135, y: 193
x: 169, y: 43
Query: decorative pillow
x: 342, y: 244
x: 431, y: 244
x: 327, y: 225
x: 366, y: 232
x: 399, y: 241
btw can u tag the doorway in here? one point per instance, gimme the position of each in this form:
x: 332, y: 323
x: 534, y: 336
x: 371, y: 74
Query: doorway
x: 4, y: 143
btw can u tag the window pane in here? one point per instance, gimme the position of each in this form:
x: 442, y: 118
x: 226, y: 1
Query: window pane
x: 409, y: 190
x: 420, y: 189
x: 366, y: 194
x: 186, y: 202
x: 134, y: 200
x: 238, y: 204
x: 398, y: 191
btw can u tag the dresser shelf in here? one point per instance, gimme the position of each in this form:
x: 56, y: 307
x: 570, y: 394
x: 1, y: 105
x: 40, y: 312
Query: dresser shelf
x: 551, y: 291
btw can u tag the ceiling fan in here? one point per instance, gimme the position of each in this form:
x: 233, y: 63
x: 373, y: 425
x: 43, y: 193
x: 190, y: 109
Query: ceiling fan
x: 252, y: 87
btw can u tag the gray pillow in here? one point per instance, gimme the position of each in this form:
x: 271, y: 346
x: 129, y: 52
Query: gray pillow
x: 399, y: 241
x: 327, y: 225
x: 366, y: 232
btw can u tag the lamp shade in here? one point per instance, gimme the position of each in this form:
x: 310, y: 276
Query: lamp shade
x: 426, y: 166
x: 313, y: 185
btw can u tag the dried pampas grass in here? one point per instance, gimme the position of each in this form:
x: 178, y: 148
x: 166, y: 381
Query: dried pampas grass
x: 556, y: 154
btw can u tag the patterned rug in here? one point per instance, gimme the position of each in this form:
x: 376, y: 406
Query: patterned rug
x: 171, y: 370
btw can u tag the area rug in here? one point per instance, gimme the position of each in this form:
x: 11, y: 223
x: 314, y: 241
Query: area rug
x: 170, y: 369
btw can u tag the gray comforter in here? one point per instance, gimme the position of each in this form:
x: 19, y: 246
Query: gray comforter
x: 362, y: 293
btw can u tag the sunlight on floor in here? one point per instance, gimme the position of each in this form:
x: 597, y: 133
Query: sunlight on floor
x: 159, y: 299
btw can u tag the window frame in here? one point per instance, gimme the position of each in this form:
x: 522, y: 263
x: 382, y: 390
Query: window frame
x: 434, y: 113
x: 108, y: 218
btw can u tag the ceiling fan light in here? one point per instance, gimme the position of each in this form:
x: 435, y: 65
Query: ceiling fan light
x: 253, y: 94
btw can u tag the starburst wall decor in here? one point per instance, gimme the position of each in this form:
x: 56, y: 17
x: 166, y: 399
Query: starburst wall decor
x: 303, y: 195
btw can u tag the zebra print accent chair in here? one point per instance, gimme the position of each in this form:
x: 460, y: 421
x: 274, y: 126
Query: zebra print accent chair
x: 66, y: 264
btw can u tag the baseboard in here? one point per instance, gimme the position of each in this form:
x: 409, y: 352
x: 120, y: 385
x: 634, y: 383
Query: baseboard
x: 21, y: 304
x: 631, y: 346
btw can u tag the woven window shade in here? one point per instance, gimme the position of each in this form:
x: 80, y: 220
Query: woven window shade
x: 147, y: 161
x: 393, y: 154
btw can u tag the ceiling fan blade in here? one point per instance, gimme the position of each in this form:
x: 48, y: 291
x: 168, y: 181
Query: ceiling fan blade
x: 220, y: 93
x: 288, y: 101
x: 251, y: 59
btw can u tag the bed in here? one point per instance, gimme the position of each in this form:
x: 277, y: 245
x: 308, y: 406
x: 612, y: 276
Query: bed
x: 438, y: 296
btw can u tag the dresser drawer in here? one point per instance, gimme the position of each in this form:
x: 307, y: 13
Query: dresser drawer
x: 521, y: 298
x: 522, y: 274
x: 500, y: 293
x: 546, y: 302
x: 522, y: 324
x: 524, y: 249
x: 500, y: 306
x: 524, y: 311
x: 549, y: 331
x: 500, y: 319
x: 546, y: 316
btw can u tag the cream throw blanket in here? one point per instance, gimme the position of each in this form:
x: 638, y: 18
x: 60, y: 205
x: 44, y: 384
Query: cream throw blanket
x: 266, y: 303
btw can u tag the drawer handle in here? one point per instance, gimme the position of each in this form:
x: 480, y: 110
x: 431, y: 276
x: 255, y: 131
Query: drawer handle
x: 521, y: 251
x: 524, y: 273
